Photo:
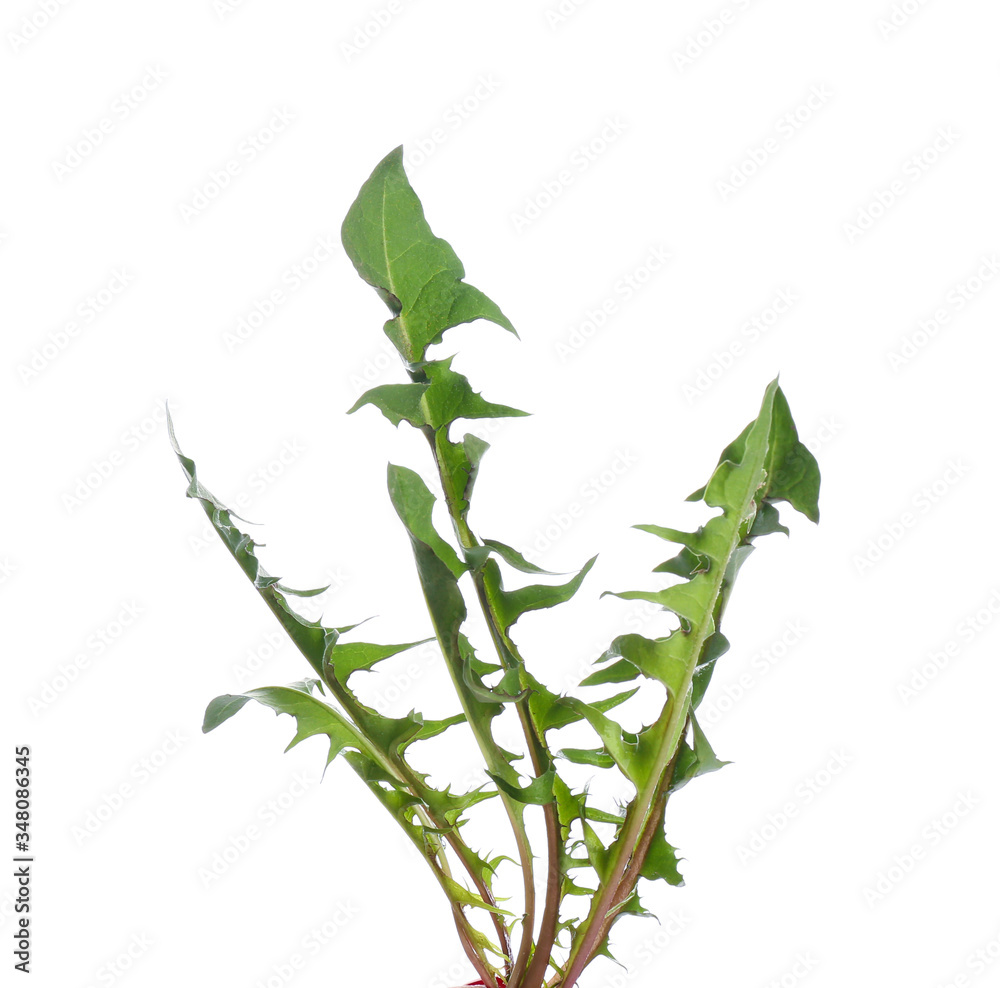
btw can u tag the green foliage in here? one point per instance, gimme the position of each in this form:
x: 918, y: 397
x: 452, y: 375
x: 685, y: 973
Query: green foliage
x: 592, y: 851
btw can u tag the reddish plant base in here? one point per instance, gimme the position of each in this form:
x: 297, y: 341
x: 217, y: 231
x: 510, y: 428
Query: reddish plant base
x: 500, y: 982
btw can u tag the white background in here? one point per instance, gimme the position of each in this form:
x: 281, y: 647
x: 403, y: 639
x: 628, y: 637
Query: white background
x: 864, y: 144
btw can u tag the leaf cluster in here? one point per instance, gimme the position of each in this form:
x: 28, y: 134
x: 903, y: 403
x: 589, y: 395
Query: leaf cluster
x: 594, y: 853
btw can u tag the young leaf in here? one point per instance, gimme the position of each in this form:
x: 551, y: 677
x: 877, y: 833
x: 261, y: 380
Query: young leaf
x: 416, y: 274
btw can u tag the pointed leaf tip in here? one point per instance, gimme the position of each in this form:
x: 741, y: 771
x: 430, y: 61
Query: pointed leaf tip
x: 417, y: 274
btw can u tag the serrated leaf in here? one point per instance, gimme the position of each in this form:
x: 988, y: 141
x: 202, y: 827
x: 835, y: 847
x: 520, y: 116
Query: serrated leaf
x: 538, y: 792
x: 767, y: 521
x: 694, y: 761
x: 686, y: 564
x: 793, y: 473
x: 616, y: 744
x: 347, y: 658
x: 510, y: 605
x: 312, y: 717
x: 459, y: 893
x: 449, y: 396
x: 661, y: 861
x: 588, y: 756
x: 507, y: 691
x: 554, y: 712
x: 397, y: 402
x: 654, y: 658
x: 416, y: 274
x: 437, y: 402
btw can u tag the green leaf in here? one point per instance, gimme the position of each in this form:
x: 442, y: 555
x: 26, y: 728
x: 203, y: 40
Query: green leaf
x: 510, y: 605
x: 793, y: 473
x: 397, y: 402
x: 507, y: 691
x: 459, y: 893
x: 588, y: 756
x: 694, y: 761
x: 617, y: 672
x: 686, y: 564
x: 416, y: 274
x: 654, y: 658
x: 450, y: 396
x: 538, y: 792
x: 312, y: 717
x: 661, y: 861
x: 792, y: 470
x: 617, y: 744
x: 715, y: 647
x: 346, y: 658
x: 311, y: 637
x: 437, y: 402
x: 553, y: 712
x: 513, y: 558
x: 221, y: 709
x: 414, y: 503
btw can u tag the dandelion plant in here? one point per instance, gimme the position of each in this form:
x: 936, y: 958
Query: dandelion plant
x: 593, y: 854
